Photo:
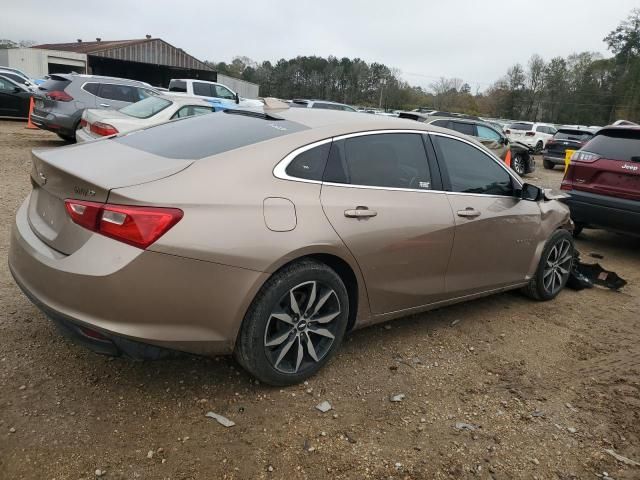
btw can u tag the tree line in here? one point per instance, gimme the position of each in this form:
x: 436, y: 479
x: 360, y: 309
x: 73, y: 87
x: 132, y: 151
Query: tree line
x: 583, y: 88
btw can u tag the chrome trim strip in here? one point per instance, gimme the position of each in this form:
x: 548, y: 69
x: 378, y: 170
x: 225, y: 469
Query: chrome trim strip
x: 279, y: 170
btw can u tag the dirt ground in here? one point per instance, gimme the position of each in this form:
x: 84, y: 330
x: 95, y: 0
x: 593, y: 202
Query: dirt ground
x: 548, y: 387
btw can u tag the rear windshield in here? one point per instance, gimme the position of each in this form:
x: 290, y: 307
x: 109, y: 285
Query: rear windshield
x: 202, y: 136
x: 576, y: 135
x: 521, y: 126
x: 616, y: 144
x: 146, y: 108
x: 55, y: 83
x: 177, y: 86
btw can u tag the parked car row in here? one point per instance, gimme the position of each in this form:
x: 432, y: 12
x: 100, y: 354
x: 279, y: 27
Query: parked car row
x: 517, y: 155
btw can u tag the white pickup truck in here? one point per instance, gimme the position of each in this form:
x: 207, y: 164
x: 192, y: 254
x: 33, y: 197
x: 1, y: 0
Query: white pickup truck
x: 213, y: 92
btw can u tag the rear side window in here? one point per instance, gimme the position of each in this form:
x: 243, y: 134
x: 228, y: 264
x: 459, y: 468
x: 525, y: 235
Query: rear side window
x: 55, y: 83
x: 121, y: 93
x: 178, y: 86
x: 203, y: 89
x: 392, y: 160
x: 92, y: 88
x: 470, y: 170
x: 621, y: 145
x: 310, y: 164
x: 441, y: 123
x: 205, y: 135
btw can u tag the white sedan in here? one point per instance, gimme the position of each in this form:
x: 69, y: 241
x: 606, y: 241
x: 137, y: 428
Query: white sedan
x: 96, y: 123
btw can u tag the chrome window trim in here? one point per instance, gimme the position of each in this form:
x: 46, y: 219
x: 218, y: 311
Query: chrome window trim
x: 279, y: 170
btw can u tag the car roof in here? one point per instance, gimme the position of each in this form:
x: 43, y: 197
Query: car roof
x: 196, y: 80
x: 85, y: 77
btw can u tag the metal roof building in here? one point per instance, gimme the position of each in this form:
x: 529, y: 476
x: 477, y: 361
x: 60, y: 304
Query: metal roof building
x: 148, y: 59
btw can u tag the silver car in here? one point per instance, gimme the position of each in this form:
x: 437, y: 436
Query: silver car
x: 60, y: 101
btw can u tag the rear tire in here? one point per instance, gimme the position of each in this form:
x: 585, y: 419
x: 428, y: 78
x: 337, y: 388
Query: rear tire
x: 67, y: 138
x: 519, y: 164
x: 554, y: 268
x: 548, y: 165
x: 539, y: 146
x: 294, y: 325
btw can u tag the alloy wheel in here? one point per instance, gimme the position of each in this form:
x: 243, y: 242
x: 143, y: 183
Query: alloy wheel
x: 518, y: 164
x: 301, y: 329
x: 557, y: 266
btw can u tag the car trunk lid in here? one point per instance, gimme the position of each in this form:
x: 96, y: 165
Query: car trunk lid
x: 86, y: 172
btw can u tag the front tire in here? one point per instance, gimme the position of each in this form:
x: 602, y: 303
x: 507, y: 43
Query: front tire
x: 295, y: 324
x: 554, y: 268
x: 539, y: 147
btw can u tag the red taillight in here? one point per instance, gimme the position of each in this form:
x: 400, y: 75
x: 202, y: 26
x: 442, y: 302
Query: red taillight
x: 103, y: 129
x: 507, y: 131
x: 582, y: 156
x: 529, y: 134
x: 59, y: 96
x: 83, y: 123
x: 137, y: 226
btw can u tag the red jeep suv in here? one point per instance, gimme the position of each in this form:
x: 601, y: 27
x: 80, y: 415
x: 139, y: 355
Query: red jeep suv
x: 603, y: 180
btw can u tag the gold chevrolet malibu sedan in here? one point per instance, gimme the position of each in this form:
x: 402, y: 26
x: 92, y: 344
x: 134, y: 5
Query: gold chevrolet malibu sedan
x: 271, y: 234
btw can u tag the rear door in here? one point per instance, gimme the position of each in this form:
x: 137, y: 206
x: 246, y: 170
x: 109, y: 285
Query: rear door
x: 381, y: 195
x: 613, y: 168
x: 115, y: 96
x: 496, y: 232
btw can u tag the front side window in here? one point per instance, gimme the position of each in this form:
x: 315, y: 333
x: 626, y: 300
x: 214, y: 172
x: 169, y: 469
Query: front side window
x: 310, y: 164
x: 487, y: 133
x: 202, y: 89
x: 6, y: 85
x: 470, y: 170
x: 146, y: 108
x: 393, y: 160
x: 223, y: 92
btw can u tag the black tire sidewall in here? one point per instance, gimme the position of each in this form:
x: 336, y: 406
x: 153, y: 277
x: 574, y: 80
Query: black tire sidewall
x: 522, y: 161
x: 250, y: 349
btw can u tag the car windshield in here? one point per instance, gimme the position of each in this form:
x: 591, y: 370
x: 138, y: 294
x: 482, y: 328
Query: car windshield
x: 521, y: 126
x: 146, y: 108
x: 575, y: 135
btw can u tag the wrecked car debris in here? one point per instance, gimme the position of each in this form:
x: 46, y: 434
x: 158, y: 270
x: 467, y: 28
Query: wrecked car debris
x: 586, y: 275
x: 224, y: 421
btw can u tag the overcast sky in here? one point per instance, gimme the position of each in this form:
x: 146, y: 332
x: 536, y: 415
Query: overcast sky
x: 476, y: 40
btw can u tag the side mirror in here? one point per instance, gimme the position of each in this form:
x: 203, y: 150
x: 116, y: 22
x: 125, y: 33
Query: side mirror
x: 531, y: 193
x: 237, y: 98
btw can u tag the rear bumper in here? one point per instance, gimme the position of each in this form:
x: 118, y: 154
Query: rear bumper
x: 603, y: 211
x: 553, y: 159
x: 55, y: 122
x: 127, y: 294
x: 83, y: 136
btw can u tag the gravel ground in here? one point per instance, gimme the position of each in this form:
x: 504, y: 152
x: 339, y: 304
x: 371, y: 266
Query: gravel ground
x: 545, y: 388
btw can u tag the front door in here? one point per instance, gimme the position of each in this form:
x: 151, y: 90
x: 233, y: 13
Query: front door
x: 496, y: 231
x: 378, y: 193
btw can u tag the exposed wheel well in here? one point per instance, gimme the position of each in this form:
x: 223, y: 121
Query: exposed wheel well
x: 346, y: 274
